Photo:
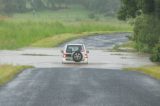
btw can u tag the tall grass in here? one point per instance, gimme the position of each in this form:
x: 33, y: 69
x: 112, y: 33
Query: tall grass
x: 22, y: 30
x: 8, y: 72
x: 14, y: 34
x: 153, y: 71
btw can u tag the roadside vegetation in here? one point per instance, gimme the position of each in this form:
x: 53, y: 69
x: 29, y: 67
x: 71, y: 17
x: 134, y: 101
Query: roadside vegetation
x: 145, y: 16
x: 125, y: 47
x: 48, y: 23
x: 8, y: 72
x: 23, y: 30
x: 56, y: 40
x: 153, y: 71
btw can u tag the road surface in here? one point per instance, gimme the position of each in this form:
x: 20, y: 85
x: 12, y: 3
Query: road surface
x: 80, y: 87
x: 100, y: 83
x: 99, y: 56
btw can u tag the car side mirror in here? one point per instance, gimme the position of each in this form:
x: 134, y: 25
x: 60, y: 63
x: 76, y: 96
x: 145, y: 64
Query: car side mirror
x: 87, y: 51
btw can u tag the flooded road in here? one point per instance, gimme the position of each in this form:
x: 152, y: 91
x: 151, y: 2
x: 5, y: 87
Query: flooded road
x: 102, y: 41
x: 102, y: 82
x: 99, y: 56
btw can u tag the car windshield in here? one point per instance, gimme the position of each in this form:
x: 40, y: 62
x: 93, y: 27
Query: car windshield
x: 73, y: 48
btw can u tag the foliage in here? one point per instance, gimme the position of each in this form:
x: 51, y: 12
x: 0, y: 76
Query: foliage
x: 156, y: 54
x: 8, y: 72
x: 24, y: 29
x: 101, y: 6
x: 91, y: 16
x: 133, y: 8
x: 147, y: 23
x: 146, y: 30
x: 9, y: 6
x: 128, y: 9
x: 153, y: 71
x: 20, y: 34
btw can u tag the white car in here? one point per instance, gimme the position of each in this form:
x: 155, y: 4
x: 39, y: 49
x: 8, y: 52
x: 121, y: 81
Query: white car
x: 75, y: 53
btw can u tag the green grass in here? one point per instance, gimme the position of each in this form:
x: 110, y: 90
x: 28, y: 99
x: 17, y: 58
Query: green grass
x: 15, y: 35
x: 23, y: 30
x: 8, y: 72
x: 153, y: 71
x: 65, y: 15
x: 54, y: 41
x: 125, y: 47
x: 129, y: 44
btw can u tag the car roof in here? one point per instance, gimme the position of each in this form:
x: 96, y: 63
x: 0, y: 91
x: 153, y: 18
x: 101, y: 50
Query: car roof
x: 75, y: 44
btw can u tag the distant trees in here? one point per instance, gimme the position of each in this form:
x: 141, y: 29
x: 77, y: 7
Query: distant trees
x: 10, y: 6
x: 133, y: 8
x: 129, y: 9
x: 37, y: 5
x: 102, y: 6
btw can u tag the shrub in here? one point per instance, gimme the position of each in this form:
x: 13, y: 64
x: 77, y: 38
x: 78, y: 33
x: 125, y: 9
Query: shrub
x: 92, y: 16
x: 156, y: 54
x: 146, y: 30
x: 142, y: 47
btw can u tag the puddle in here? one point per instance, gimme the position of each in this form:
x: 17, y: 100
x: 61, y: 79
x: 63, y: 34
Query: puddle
x: 98, y: 56
x: 102, y: 41
x: 97, y: 59
x: 117, y: 54
x: 38, y: 55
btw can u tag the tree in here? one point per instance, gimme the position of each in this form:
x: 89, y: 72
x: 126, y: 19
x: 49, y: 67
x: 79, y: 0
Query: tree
x: 100, y: 6
x: 147, y: 24
x: 129, y: 9
x: 8, y: 6
x: 20, y: 6
x: 37, y: 5
x: 148, y: 6
x: 157, y: 8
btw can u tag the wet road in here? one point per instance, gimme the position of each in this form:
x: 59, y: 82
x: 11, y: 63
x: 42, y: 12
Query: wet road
x: 99, y: 56
x: 102, y: 82
x: 80, y: 87
x: 101, y: 41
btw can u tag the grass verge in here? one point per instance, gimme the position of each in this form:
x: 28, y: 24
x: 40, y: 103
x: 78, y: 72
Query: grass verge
x: 21, y: 34
x: 153, y: 71
x: 8, y: 72
x: 125, y: 47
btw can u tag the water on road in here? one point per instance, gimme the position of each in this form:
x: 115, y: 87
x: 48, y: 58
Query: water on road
x: 102, y: 82
x: 80, y: 87
x: 99, y: 56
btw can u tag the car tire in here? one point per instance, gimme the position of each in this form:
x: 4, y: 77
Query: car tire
x: 77, y: 56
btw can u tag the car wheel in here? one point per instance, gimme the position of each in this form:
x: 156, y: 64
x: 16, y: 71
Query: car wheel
x: 77, y: 56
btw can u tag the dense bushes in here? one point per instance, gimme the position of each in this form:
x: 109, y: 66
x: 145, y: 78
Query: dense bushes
x: 147, y: 35
x: 156, y: 54
x: 146, y: 32
x: 147, y: 24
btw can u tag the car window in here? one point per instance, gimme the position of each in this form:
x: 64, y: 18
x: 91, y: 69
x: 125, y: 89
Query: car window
x: 73, y: 48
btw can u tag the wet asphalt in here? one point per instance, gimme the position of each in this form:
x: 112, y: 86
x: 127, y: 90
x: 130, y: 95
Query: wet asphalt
x: 102, y: 41
x: 80, y: 87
